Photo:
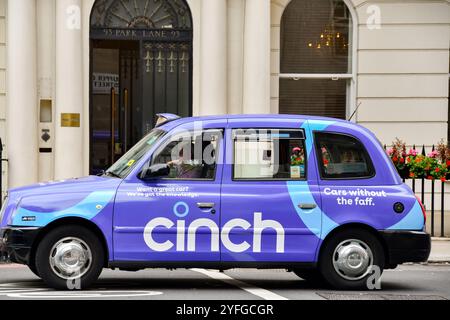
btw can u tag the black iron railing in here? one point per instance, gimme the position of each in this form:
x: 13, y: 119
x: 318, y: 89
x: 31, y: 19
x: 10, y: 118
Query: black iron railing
x: 429, y: 201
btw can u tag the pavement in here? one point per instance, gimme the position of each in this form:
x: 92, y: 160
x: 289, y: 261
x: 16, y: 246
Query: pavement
x: 440, y: 250
x: 407, y: 282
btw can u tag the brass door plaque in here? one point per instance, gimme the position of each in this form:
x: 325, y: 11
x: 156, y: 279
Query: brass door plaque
x: 70, y: 120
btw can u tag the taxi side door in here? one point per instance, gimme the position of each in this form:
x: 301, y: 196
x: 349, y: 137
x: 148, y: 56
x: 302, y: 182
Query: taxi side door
x: 174, y: 218
x: 270, y: 196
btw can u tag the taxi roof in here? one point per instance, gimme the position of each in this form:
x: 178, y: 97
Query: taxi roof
x: 246, y: 118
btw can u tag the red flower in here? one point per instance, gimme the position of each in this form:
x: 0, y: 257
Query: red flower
x: 395, y: 159
x: 402, y: 160
x: 437, y: 170
x: 448, y: 163
x: 443, y: 179
x: 430, y: 178
x: 412, y: 175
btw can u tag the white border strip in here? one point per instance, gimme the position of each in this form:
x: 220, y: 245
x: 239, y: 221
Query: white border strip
x: 260, y: 292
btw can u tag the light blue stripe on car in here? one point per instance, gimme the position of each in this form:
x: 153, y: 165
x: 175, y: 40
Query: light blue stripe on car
x: 299, y: 193
x: 88, y: 208
x: 314, y: 125
x: 412, y: 221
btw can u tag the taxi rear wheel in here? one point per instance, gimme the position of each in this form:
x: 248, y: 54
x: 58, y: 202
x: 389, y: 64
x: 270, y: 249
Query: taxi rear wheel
x: 69, y: 258
x: 352, y: 259
x: 33, y: 269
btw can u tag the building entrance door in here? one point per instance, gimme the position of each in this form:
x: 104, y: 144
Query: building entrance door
x: 141, y: 65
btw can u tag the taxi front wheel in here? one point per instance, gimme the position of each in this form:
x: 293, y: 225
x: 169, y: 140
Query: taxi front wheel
x: 69, y: 258
x: 352, y: 259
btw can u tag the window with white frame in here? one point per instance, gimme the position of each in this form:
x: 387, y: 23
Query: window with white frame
x: 316, y: 74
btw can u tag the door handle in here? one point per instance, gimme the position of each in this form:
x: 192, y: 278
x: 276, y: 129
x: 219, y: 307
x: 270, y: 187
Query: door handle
x: 307, y: 206
x: 206, y: 205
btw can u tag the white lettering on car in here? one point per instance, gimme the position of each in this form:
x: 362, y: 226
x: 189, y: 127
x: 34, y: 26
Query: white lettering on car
x: 259, y: 226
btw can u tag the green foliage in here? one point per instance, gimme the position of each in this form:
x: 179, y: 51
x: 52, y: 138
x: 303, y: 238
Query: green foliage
x: 435, y: 165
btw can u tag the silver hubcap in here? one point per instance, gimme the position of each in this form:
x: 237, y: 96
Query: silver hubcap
x: 353, y: 259
x: 70, y: 258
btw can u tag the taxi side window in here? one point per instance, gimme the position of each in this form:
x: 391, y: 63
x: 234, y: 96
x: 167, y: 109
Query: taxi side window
x: 190, y: 156
x: 342, y: 157
x: 269, y: 154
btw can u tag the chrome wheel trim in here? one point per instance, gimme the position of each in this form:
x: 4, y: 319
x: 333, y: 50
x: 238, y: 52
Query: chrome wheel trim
x: 353, y: 259
x: 70, y: 258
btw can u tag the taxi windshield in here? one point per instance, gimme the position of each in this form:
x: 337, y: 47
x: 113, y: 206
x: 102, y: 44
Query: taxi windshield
x: 125, y: 164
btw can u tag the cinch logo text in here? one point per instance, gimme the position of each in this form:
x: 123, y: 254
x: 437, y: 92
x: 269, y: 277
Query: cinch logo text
x: 259, y: 225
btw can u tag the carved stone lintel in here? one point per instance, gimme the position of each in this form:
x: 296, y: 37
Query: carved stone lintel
x: 147, y: 14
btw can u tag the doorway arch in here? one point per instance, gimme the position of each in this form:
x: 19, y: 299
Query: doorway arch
x: 141, y: 65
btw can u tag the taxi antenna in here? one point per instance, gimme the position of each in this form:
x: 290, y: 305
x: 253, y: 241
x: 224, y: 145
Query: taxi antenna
x: 354, y: 112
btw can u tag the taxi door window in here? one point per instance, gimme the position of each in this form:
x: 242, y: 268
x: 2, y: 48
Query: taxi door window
x: 342, y: 157
x: 191, y: 156
x: 269, y: 154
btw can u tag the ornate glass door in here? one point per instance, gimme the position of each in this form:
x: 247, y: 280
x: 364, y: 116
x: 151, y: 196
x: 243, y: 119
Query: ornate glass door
x: 141, y: 65
x: 166, y: 77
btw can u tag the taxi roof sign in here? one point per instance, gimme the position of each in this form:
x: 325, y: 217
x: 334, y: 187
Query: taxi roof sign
x: 163, y: 118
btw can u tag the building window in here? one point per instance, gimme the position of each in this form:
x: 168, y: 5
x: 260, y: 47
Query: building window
x: 448, y: 115
x: 316, y: 73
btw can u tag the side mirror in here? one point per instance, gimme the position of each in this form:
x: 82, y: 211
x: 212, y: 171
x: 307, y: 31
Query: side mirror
x: 155, y: 171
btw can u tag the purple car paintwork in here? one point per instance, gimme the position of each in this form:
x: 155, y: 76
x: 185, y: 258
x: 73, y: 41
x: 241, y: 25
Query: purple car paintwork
x: 252, y: 221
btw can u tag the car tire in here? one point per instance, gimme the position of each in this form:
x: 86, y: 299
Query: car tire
x: 70, y: 258
x: 344, y: 257
x: 310, y: 275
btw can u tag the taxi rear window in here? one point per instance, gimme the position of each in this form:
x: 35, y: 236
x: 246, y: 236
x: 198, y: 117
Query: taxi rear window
x: 342, y: 157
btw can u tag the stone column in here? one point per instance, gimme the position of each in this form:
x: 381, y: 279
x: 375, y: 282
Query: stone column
x: 213, y: 57
x: 22, y: 119
x: 85, y: 26
x: 45, y: 16
x: 257, y: 57
x: 69, y: 150
x: 236, y: 10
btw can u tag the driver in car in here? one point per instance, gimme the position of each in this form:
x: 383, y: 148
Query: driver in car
x: 183, y: 168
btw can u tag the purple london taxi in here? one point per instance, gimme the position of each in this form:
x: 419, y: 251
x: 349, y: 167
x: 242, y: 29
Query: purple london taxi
x: 316, y: 196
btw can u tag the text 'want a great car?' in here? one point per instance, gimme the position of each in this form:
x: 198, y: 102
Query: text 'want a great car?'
x: 315, y: 196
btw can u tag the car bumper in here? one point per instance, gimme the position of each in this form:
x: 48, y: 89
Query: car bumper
x: 407, y: 246
x: 16, y: 244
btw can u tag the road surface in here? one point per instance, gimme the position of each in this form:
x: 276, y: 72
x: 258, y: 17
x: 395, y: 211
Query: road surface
x: 408, y: 282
